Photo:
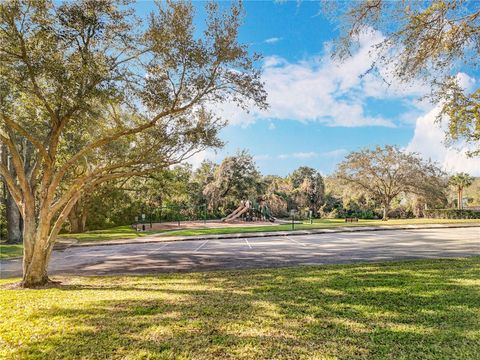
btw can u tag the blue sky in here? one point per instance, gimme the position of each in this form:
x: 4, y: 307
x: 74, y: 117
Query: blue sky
x: 319, y: 109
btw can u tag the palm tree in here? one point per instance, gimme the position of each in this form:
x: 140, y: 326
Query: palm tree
x: 460, y: 181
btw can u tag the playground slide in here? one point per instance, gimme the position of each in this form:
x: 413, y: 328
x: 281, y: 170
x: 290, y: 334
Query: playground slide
x: 237, y: 210
x: 263, y: 212
x: 242, y: 211
x: 267, y: 214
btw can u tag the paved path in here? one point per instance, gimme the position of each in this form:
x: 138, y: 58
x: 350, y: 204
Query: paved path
x: 212, y: 254
x: 65, y: 242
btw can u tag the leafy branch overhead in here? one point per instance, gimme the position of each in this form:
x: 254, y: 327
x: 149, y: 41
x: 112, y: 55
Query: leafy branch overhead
x: 432, y: 42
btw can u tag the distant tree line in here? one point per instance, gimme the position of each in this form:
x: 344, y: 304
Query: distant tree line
x: 383, y: 182
x: 216, y: 189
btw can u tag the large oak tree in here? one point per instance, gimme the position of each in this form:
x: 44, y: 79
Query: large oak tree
x: 100, y: 95
x: 386, y: 172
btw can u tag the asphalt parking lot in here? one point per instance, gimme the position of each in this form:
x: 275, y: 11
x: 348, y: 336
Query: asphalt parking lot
x: 215, y: 254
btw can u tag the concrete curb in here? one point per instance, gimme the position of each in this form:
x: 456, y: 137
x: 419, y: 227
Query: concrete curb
x: 12, y: 258
x: 159, y: 238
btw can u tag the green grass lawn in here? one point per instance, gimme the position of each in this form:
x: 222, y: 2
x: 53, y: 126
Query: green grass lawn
x: 119, y: 232
x: 317, y: 224
x: 427, y: 309
x: 7, y: 251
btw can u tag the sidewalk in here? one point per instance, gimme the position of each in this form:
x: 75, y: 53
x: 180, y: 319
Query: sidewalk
x: 162, y: 238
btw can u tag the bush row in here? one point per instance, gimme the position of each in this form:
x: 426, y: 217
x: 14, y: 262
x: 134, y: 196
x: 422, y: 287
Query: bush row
x: 344, y: 213
x: 452, y: 214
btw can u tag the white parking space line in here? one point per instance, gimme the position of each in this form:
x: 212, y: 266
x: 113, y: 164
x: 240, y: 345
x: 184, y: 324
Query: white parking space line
x: 295, y: 241
x: 198, y: 248
x: 159, y: 248
x: 88, y: 254
x: 269, y: 243
x: 250, y: 246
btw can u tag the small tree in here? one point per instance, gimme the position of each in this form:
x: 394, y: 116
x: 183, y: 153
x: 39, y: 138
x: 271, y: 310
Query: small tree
x: 99, y: 97
x: 384, y: 173
x: 460, y: 181
x: 308, y: 188
x: 236, y: 178
x: 199, y: 180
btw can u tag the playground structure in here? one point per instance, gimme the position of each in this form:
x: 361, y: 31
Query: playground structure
x: 200, y: 224
x: 175, y: 217
x: 251, y: 211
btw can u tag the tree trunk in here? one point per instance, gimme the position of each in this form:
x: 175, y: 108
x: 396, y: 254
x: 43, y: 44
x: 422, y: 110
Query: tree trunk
x: 14, y: 221
x: 83, y: 219
x: 385, y: 212
x: 35, y: 273
x: 39, y: 235
x: 3, y: 200
x: 13, y: 217
x: 78, y: 217
x: 75, y: 224
x: 459, y: 197
x: 36, y: 254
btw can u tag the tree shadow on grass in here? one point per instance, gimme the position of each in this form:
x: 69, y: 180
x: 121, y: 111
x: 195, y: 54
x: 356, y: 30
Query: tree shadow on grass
x: 424, y: 309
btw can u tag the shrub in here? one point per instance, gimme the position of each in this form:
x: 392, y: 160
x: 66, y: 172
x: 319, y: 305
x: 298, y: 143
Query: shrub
x: 363, y: 214
x: 452, y: 214
x: 343, y: 213
x: 401, y: 212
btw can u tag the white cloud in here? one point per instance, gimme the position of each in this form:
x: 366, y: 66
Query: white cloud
x: 318, y: 89
x: 334, y: 153
x: 262, y: 157
x: 272, y: 40
x: 428, y: 140
x: 197, y: 159
x: 312, y: 154
x: 466, y: 82
x: 298, y: 155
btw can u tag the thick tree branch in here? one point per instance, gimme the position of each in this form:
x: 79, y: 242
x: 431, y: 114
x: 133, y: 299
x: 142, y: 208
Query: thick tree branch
x: 15, y: 191
x: 22, y: 131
